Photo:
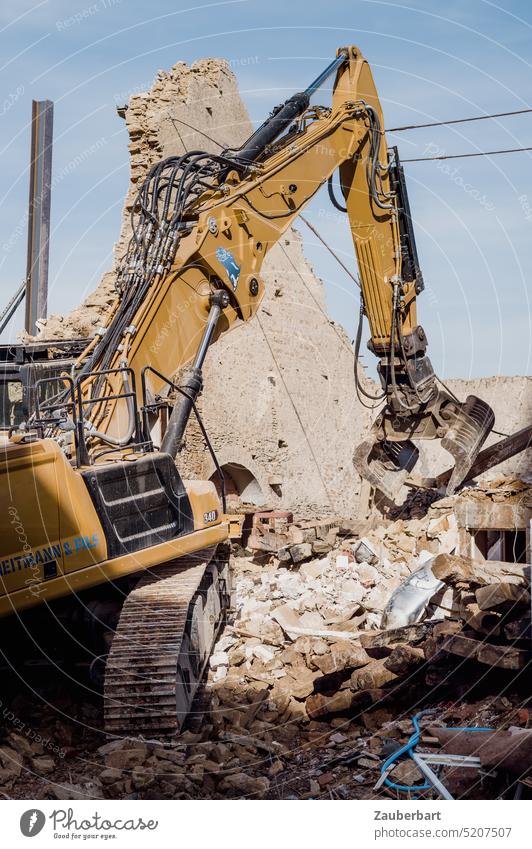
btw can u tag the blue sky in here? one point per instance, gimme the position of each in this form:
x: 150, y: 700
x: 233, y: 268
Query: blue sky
x: 431, y: 61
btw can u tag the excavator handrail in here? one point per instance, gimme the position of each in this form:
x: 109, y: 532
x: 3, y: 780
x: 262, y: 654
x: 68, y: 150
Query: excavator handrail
x: 130, y: 395
x: 51, y: 407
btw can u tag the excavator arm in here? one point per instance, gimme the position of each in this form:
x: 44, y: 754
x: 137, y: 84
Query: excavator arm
x: 202, y: 225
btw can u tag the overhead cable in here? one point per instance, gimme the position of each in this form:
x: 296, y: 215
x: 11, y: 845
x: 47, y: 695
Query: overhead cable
x: 467, y: 155
x: 457, y: 121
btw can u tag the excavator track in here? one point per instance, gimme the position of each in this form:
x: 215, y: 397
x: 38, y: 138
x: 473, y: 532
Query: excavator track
x: 165, y: 635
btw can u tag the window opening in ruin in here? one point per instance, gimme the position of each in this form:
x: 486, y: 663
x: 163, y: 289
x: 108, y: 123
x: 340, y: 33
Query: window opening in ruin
x: 509, y: 546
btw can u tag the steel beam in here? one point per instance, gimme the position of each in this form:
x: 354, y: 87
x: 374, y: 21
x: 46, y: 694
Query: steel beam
x: 12, y: 306
x: 39, y: 212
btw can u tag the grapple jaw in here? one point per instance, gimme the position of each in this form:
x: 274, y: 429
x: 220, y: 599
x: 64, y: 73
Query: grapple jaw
x: 387, y: 458
x: 385, y: 465
x: 465, y: 437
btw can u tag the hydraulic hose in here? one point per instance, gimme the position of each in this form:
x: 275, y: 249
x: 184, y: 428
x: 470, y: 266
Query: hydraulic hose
x: 408, y: 749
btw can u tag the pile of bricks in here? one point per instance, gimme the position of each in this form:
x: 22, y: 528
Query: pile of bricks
x: 275, y: 532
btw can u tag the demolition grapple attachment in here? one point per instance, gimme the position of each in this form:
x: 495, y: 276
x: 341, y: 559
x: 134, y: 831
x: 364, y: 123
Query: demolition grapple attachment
x: 387, y: 458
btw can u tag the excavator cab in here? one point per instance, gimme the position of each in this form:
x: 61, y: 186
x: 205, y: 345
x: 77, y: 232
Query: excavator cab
x: 30, y: 374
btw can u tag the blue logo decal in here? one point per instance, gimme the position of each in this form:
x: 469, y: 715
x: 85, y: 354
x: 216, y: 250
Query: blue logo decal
x: 229, y: 263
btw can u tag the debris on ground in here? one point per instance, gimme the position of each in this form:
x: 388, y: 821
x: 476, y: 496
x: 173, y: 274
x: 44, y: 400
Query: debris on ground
x: 311, y: 685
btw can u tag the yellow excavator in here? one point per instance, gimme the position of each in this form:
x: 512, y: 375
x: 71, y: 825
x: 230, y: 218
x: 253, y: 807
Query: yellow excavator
x: 94, y: 514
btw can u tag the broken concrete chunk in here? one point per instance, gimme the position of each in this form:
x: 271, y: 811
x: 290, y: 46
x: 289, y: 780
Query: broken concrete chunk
x: 320, y: 705
x: 404, y: 659
x: 372, y: 676
x: 309, y: 645
x: 342, y: 561
x: 220, y: 673
x: 241, y: 784
x: 10, y: 764
x: 367, y: 574
x: 262, y: 652
x: 342, y: 655
x: 43, y: 764
x: 220, y: 658
x: 286, y: 617
x: 312, y: 620
x: 301, y: 684
x: 314, y: 569
x: 299, y: 553
x: 378, y: 597
x: 321, y: 546
x: 129, y: 754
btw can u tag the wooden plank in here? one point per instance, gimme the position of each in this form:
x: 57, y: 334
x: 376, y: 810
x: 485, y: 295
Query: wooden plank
x: 407, y: 634
x: 454, y: 570
x: 404, y: 659
x: 482, y: 621
x: 521, y: 629
x: 502, y: 657
x: 461, y: 646
x: 509, y: 750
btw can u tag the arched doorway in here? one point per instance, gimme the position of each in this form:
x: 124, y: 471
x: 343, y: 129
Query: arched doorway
x: 240, y: 485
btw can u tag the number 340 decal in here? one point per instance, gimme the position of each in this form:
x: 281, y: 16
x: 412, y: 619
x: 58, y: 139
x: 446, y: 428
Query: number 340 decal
x: 210, y: 516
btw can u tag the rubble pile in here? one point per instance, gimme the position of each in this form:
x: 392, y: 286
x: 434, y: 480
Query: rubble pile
x: 338, y: 759
x: 503, y: 489
x: 490, y: 607
x: 306, y: 690
x: 17, y: 753
x: 308, y: 644
x: 44, y: 738
x: 313, y: 681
